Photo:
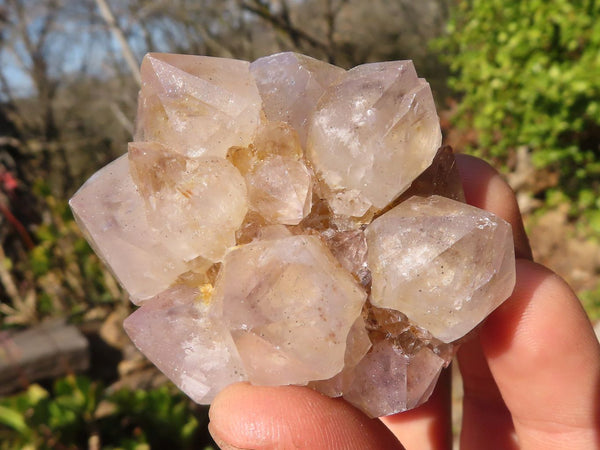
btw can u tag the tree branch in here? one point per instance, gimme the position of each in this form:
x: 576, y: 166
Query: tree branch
x: 285, y: 25
x: 114, y: 28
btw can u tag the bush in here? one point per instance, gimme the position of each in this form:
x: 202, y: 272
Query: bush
x: 79, y: 412
x: 528, y: 76
x: 58, y: 275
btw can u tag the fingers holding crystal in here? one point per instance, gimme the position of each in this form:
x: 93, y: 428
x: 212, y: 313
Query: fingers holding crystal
x: 309, y: 223
x: 263, y: 220
x: 545, y: 358
x: 486, y: 189
x: 528, y: 342
x: 292, y: 417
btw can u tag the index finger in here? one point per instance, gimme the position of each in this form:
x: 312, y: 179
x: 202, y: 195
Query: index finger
x: 486, y: 189
x: 536, y: 374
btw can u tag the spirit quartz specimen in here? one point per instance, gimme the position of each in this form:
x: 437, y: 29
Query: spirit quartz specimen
x: 290, y: 222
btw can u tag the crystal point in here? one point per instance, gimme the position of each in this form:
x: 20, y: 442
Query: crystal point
x: 280, y: 189
x: 444, y: 264
x: 211, y: 185
x: 110, y: 211
x: 289, y: 307
x: 291, y: 84
x: 176, y: 332
x: 387, y: 380
x: 374, y: 131
x: 197, y: 105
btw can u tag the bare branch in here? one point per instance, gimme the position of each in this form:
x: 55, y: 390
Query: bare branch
x: 283, y: 23
x: 9, y: 140
x: 114, y: 28
x: 213, y: 43
x: 121, y: 117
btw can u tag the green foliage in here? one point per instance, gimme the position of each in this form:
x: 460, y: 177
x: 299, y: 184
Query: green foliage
x: 35, y: 419
x: 61, y: 276
x: 155, y: 416
x: 71, y: 415
x: 528, y: 75
x: 591, y: 302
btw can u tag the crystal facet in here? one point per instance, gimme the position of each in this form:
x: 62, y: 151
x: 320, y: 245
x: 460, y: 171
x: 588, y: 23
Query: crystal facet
x: 436, y: 260
x: 289, y: 307
x: 197, y: 105
x: 280, y: 190
x: 374, y: 131
x: 173, y: 185
x: 206, y: 359
x: 290, y: 85
x: 289, y: 222
x: 111, y: 212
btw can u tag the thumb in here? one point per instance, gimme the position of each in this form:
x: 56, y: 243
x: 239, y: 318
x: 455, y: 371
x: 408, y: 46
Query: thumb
x: 264, y: 417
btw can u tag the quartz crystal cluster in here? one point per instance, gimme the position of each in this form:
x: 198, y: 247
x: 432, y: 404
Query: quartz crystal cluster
x: 290, y: 222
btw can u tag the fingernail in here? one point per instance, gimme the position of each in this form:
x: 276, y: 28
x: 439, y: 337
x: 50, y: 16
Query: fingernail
x: 223, y: 445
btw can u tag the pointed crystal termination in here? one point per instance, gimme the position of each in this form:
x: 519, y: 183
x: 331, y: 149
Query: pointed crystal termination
x: 111, y: 212
x: 280, y: 189
x: 289, y: 307
x: 197, y: 105
x: 399, y: 371
x: 387, y: 380
x: 444, y: 264
x: 173, y: 185
x: 175, y: 331
x: 374, y: 131
x: 290, y: 85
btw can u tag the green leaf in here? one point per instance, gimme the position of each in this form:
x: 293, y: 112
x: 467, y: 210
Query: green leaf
x: 594, y: 220
x: 35, y: 393
x: 13, y: 419
x: 40, y: 260
x: 525, y: 76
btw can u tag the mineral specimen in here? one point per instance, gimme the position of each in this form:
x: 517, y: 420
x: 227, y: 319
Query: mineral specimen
x: 290, y: 222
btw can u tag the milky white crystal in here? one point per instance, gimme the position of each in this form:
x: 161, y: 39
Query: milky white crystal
x: 290, y: 222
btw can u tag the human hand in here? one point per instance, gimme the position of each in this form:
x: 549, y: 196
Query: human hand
x: 531, y: 377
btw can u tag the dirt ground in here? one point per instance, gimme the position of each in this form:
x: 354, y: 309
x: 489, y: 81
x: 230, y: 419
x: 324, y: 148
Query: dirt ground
x: 557, y: 244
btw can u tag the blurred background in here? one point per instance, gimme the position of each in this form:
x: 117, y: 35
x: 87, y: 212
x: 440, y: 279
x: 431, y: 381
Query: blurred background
x: 517, y: 83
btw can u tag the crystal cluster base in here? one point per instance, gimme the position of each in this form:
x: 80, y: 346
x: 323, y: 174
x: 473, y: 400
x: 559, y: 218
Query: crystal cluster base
x: 290, y: 222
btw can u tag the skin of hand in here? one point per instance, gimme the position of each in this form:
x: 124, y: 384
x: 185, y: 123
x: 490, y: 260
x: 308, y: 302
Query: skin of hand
x: 531, y: 377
